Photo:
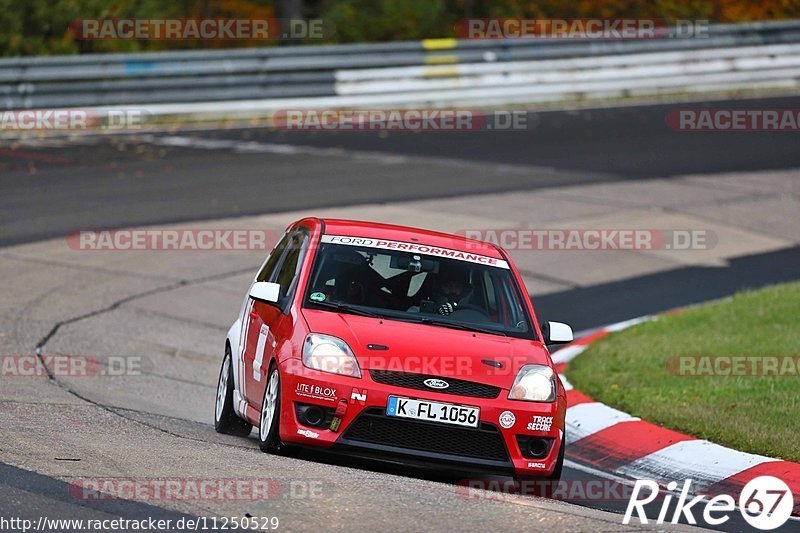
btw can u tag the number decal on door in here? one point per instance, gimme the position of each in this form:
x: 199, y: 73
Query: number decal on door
x: 259, y: 355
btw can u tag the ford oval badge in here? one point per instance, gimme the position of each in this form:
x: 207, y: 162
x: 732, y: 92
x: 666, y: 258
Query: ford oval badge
x: 436, y: 383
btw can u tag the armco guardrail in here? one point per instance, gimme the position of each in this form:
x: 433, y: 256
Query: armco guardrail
x: 436, y: 72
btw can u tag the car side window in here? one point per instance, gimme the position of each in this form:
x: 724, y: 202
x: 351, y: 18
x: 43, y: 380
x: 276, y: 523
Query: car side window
x: 284, y: 263
x: 290, y: 266
x: 270, y: 267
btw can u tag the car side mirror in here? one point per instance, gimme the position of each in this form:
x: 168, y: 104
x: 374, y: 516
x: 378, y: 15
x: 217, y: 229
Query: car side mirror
x: 265, y: 291
x: 556, y: 333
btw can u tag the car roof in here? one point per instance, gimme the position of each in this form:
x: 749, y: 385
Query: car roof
x: 376, y: 230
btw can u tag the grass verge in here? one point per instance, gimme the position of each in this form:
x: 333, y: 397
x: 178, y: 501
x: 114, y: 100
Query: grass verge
x: 639, y: 371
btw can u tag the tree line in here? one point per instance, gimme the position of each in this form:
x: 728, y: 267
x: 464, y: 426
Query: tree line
x: 41, y: 27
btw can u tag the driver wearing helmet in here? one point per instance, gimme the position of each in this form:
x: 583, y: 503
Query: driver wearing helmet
x: 452, y: 289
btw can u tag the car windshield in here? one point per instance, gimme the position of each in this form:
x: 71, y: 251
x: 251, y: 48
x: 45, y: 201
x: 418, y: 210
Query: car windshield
x: 419, y: 287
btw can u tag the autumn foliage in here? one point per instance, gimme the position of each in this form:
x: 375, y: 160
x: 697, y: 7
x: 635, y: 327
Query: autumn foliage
x: 35, y: 27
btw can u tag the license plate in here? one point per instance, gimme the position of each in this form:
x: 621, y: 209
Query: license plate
x: 446, y: 413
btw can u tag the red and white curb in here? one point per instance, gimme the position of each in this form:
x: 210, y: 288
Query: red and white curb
x: 609, y: 441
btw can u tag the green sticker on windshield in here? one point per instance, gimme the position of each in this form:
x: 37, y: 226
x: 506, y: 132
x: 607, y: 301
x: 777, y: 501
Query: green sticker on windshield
x: 317, y: 296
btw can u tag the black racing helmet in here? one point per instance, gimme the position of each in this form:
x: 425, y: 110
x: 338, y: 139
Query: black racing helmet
x: 454, y: 271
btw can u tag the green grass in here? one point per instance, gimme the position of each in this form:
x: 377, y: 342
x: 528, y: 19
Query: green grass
x: 628, y: 370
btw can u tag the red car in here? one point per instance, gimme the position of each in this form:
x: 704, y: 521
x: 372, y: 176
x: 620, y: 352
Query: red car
x: 394, y: 342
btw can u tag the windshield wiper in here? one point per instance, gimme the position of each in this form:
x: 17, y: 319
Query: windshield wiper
x: 455, y: 325
x: 342, y: 308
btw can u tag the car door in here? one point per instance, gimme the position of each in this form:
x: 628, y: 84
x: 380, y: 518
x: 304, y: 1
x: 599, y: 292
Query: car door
x: 268, y: 324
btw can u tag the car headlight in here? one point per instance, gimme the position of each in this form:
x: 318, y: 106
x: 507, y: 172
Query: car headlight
x: 329, y: 354
x: 534, y: 383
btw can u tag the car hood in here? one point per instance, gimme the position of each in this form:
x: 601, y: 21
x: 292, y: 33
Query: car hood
x: 426, y: 349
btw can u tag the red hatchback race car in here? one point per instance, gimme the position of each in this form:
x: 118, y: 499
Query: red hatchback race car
x: 394, y: 342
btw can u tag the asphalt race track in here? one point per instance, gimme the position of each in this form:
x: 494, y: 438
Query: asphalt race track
x: 56, y: 186
x: 588, y: 166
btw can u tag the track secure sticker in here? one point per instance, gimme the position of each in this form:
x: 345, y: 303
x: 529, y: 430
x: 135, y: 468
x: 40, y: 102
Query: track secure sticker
x: 317, y: 296
x: 540, y: 423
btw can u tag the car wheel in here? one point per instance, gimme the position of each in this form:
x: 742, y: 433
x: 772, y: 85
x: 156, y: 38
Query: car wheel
x: 269, y: 439
x: 270, y: 413
x: 555, y: 477
x: 225, y: 419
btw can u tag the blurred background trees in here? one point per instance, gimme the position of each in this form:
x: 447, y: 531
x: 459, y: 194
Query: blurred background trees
x: 35, y: 27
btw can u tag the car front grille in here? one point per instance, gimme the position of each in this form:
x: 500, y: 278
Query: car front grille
x: 458, y: 387
x: 374, y: 427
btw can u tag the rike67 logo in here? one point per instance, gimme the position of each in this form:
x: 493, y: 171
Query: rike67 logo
x: 765, y: 503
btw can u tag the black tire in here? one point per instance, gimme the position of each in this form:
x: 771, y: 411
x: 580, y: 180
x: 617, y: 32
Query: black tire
x: 271, y: 441
x: 225, y: 419
x: 555, y: 477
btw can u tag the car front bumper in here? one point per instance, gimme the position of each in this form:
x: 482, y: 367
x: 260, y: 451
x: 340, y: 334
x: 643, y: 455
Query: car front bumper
x: 501, y: 443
